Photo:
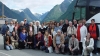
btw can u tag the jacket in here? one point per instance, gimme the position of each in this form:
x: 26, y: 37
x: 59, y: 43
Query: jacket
x: 4, y: 29
x: 76, y: 43
x: 71, y: 30
x: 83, y: 32
x: 61, y: 40
x: 91, y: 44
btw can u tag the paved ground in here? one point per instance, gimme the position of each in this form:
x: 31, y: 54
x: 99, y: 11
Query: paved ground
x: 25, y: 52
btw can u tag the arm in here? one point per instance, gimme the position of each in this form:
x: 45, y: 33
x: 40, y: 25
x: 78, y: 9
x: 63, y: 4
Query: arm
x: 84, y: 47
x: 97, y: 31
x: 54, y: 43
x: 12, y: 39
x: 91, y: 43
x: 62, y: 40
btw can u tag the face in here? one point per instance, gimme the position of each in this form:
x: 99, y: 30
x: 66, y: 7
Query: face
x: 24, y: 30
x: 80, y: 24
x: 75, y: 22
x: 13, y: 33
x: 37, y: 23
x: 8, y: 32
x: 46, y: 33
x: 25, y: 20
x: 39, y: 33
x: 11, y: 23
x: 31, y: 33
x: 92, y: 22
x: 57, y: 24
x: 66, y: 21
x: 84, y: 20
x: 70, y: 24
x: 73, y: 37
x: 6, y: 22
x: 88, y: 35
x: 59, y: 33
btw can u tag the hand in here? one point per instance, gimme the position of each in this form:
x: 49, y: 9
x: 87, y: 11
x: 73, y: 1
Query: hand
x: 59, y: 46
x: 24, y: 41
x: 56, y: 48
x: 98, y: 38
x: 37, y: 44
x: 70, y: 49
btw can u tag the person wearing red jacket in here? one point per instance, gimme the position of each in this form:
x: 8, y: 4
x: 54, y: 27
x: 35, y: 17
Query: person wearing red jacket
x: 47, y: 41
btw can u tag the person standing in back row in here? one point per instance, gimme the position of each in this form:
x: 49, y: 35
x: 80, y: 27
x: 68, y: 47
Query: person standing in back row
x: 94, y: 33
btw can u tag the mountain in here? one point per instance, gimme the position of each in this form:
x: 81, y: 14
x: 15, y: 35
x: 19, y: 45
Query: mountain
x: 57, y: 11
x: 69, y: 13
x: 37, y: 15
x: 9, y: 13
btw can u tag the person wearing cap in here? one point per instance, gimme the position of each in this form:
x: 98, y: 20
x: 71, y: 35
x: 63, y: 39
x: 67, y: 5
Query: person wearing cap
x: 58, y: 42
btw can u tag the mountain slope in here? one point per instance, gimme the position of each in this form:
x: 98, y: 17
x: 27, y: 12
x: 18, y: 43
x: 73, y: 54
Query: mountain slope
x: 9, y: 13
x: 57, y: 11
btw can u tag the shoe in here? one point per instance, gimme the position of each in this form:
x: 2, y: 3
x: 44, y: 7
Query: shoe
x: 97, y: 54
x: 91, y: 54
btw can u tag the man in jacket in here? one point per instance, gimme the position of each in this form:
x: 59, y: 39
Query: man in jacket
x: 58, y: 42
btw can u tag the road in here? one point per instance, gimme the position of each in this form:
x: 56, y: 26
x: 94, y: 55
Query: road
x: 25, y: 52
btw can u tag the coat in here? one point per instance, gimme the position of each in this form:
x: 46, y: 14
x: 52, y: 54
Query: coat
x: 76, y: 43
x: 91, y: 44
x: 83, y: 32
x: 61, y: 39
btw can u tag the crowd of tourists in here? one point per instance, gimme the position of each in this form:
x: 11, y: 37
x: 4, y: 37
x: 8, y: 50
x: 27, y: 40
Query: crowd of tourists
x: 72, y: 37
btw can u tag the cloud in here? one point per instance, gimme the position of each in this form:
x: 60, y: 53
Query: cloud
x: 36, y: 6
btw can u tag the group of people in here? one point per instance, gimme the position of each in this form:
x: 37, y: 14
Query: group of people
x: 74, y: 37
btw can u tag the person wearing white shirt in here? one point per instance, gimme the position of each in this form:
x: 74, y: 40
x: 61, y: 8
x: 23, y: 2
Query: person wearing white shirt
x: 11, y: 27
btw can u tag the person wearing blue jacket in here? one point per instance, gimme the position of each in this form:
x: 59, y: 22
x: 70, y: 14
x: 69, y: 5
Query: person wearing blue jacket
x: 22, y: 39
x: 4, y: 28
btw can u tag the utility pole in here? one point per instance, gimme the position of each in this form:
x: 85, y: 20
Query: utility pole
x: 2, y: 11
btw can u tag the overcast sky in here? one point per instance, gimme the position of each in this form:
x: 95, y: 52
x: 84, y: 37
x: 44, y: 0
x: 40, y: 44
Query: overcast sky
x: 36, y: 6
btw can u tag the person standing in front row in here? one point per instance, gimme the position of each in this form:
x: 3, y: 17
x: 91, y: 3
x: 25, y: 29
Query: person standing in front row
x: 94, y: 33
x: 58, y: 42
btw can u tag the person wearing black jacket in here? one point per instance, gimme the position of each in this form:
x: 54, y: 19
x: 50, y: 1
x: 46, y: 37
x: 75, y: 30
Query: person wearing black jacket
x: 30, y: 40
x: 42, y: 29
x: 64, y: 27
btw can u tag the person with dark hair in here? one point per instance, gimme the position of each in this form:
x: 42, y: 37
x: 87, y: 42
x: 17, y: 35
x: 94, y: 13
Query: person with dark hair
x: 14, y: 39
x: 73, y: 45
x: 58, y: 27
x: 30, y: 40
x: 65, y: 26
x: 88, y: 44
x: 75, y: 23
x: 31, y: 28
x: 4, y: 28
x: 42, y: 29
x: 39, y: 41
x: 94, y: 33
x: 22, y: 39
x: 8, y: 41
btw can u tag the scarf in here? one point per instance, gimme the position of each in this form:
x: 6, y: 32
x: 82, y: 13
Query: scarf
x: 78, y: 33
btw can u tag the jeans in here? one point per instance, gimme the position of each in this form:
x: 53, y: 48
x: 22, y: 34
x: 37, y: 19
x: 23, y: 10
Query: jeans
x: 95, y: 46
x: 9, y: 47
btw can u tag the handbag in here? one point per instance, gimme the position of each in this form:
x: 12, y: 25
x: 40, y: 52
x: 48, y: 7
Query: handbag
x: 50, y: 49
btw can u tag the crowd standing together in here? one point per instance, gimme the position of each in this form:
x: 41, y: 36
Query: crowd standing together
x: 72, y: 37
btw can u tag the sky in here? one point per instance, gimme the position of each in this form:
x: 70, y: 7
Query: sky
x: 36, y: 6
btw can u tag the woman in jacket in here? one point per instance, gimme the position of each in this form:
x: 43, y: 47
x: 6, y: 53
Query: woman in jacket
x: 30, y: 40
x: 22, y: 39
x: 88, y: 45
x: 8, y: 43
x: 14, y: 39
x: 47, y: 41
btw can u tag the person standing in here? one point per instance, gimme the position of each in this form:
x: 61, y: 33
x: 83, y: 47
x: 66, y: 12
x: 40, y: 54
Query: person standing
x: 64, y: 27
x: 94, y: 33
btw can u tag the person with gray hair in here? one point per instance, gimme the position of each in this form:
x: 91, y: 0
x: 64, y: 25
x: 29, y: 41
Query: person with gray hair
x: 71, y: 29
x: 58, y: 42
x: 30, y: 28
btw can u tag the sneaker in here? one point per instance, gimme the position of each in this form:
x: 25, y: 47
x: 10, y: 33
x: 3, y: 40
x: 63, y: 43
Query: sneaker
x: 97, y: 54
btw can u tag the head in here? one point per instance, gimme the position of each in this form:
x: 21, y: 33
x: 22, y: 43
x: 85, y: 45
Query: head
x: 70, y: 23
x: 30, y: 33
x: 13, y: 33
x: 80, y: 23
x: 93, y: 21
x: 37, y: 23
x: 22, y: 23
x: 39, y: 33
x: 46, y: 33
x: 11, y: 23
x: 6, y: 22
x: 31, y: 24
x: 23, y: 30
x: 66, y: 21
x: 7, y: 33
x: 84, y: 21
x: 59, y: 32
x: 75, y: 21
x: 73, y: 36
x: 88, y: 35
x: 25, y: 21
x: 58, y: 24
x: 42, y: 25
x: 65, y: 34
